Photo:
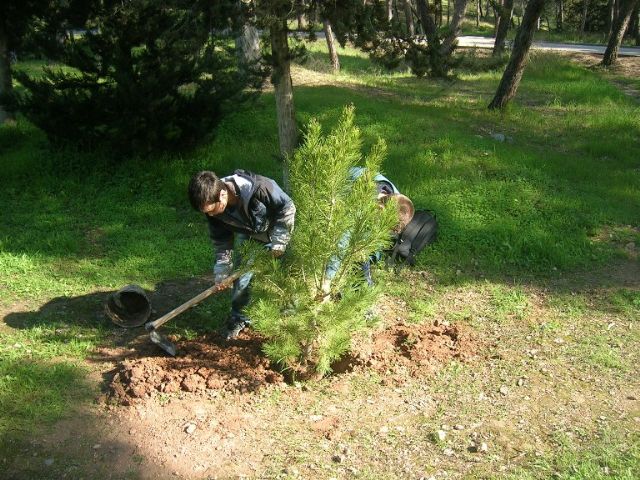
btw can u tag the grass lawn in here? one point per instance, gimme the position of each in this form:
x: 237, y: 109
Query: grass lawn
x: 530, y: 230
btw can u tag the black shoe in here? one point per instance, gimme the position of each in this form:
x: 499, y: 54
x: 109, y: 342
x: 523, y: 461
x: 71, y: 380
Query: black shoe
x: 236, y: 324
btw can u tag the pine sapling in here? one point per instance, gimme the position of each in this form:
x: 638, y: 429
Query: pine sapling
x: 307, y: 316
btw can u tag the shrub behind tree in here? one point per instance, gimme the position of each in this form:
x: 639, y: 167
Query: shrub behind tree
x: 147, y: 75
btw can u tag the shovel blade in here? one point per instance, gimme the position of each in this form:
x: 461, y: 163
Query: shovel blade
x: 163, y: 342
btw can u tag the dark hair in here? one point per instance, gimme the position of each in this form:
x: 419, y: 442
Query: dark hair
x: 204, y: 187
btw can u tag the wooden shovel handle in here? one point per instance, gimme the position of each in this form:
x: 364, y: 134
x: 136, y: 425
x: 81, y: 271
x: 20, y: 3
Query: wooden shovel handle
x: 218, y: 287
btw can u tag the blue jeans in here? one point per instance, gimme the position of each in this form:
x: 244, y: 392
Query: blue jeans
x: 334, y: 262
x: 240, y: 295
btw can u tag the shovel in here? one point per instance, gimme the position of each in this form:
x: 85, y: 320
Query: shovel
x: 162, y: 341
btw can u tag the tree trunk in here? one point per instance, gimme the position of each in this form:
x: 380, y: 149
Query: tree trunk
x: 281, y: 78
x: 331, y: 44
x: 513, y: 73
x: 619, y: 28
x: 427, y: 20
x: 478, y: 12
x: 585, y: 11
x: 5, y: 75
x: 611, y: 6
x: 248, y: 47
x: 408, y: 13
x: 448, y: 13
x: 503, y: 27
x: 389, y: 10
x: 450, y: 40
x: 635, y: 31
x: 302, y: 23
x: 560, y: 17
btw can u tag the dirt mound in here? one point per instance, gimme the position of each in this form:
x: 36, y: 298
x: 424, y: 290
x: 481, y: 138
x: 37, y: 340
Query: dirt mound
x: 201, y: 366
x: 209, y: 364
x: 413, y: 349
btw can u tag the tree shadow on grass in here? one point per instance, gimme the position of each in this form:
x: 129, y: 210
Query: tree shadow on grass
x: 48, y: 430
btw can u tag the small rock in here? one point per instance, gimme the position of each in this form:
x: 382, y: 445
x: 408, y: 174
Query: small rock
x: 441, y: 435
x: 337, y: 458
x: 448, y: 452
x: 520, y: 382
x: 459, y: 427
x: 48, y: 462
x: 384, y: 429
x: 97, y: 446
x: 504, y: 390
x: 631, y: 397
x: 483, y: 447
x: 315, y: 418
x: 630, y: 246
x: 500, y: 137
x: 190, y: 428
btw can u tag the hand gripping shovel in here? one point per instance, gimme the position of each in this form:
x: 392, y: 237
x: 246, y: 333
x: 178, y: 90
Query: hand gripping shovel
x: 162, y: 341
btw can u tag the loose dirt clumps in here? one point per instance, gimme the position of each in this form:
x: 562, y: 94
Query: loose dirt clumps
x: 413, y: 349
x: 201, y: 366
x: 209, y: 364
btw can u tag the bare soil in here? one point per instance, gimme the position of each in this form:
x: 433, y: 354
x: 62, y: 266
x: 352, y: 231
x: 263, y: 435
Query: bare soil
x: 208, y: 365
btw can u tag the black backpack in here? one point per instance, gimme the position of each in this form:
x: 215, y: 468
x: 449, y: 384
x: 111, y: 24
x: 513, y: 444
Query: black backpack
x: 419, y: 233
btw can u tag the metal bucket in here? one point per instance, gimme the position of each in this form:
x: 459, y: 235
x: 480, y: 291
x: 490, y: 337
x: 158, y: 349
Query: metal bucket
x: 129, y: 307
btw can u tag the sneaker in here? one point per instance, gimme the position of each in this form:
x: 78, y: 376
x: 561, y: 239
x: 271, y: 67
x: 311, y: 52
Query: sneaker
x: 236, y: 324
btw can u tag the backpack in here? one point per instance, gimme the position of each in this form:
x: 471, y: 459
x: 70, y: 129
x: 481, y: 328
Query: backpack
x: 419, y: 233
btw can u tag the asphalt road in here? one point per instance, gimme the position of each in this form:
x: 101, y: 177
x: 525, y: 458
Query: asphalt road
x: 487, y: 42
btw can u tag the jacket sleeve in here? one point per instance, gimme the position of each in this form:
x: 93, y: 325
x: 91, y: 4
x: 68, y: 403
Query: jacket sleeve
x: 280, y: 209
x: 222, y: 239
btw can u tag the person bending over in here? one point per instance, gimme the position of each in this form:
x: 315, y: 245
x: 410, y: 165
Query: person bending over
x: 239, y: 207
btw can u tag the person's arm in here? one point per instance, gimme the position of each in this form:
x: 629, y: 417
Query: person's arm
x: 222, y: 239
x: 280, y: 209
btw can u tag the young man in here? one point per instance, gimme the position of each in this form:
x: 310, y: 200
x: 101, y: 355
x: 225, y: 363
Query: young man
x: 385, y: 190
x: 239, y: 207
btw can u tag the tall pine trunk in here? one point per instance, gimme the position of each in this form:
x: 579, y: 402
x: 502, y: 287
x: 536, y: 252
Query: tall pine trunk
x: 503, y: 27
x: 302, y: 23
x: 611, y: 8
x: 513, y: 73
x: 281, y: 78
x: 635, y: 30
x: 619, y: 28
x: 478, y: 12
x: 331, y: 45
x: 560, y: 16
x: 585, y: 11
x: 427, y: 20
x: 449, y: 41
x: 408, y: 13
x: 5, y: 75
x: 248, y: 47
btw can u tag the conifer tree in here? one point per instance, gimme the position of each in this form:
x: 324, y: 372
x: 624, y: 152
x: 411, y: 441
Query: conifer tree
x: 338, y: 218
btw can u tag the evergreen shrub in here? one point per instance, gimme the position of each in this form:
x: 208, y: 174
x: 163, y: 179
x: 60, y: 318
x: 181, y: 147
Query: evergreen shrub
x: 147, y: 75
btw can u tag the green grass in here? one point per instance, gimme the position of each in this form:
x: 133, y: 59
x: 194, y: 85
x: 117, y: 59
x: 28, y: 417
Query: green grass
x: 611, y: 458
x: 74, y: 226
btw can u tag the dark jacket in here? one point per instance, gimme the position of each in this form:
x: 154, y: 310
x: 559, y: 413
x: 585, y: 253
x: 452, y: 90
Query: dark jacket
x: 264, y: 212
